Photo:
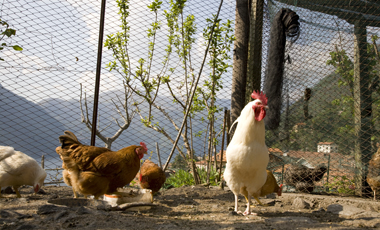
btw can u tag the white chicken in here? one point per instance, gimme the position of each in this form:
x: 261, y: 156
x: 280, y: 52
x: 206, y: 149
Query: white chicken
x: 247, y: 154
x: 17, y: 168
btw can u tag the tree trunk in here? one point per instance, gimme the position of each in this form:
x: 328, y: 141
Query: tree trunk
x: 255, y: 48
x: 363, y: 109
x: 239, y: 74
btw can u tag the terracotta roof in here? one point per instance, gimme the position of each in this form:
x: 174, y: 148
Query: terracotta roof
x: 218, y: 156
x: 203, y: 162
x: 300, y: 123
x: 325, y: 143
x: 274, y: 150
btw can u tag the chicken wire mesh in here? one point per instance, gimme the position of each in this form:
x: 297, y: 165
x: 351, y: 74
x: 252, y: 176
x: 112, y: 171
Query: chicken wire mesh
x: 329, y: 93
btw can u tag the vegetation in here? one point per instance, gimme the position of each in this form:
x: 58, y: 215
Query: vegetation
x: 154, y: 72
x: 7, y: 32
x: 179, y: 162
x: 342, y: 185
x: 331, y: 106
x: 206, y: 96
x: 182, y: 178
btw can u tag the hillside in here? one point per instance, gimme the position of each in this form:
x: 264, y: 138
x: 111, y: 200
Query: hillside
x: 68, y: 113
x: 26, y: 126
x: 329, y: 122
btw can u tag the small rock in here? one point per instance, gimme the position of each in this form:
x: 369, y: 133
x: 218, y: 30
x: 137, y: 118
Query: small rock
x: 300, y: 203
x: 7, y: 190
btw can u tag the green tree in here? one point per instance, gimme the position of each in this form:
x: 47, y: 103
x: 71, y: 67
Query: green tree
x: 179, y: 162
x: 219, y: 62
x: 345, y: 70
x: 146, y: 80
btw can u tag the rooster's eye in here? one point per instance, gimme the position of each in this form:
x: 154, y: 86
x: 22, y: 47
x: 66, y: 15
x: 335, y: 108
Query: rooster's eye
x: 258, y: 103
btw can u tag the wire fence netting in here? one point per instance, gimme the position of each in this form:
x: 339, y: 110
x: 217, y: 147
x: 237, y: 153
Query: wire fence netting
x: 154, y: 52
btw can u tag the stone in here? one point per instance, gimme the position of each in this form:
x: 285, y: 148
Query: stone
x: 8, y: 190
x: 300, y: 203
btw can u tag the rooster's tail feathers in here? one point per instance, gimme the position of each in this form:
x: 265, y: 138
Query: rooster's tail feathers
x: 68, y: 139
x: 236, y: 121
x: 71, y: 134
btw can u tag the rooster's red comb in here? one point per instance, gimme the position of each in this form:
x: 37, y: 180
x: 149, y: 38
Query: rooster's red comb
x: 261, y: 96
x: 144, y: 146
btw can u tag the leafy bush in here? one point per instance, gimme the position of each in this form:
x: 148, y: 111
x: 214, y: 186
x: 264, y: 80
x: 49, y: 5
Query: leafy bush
x: 179, y: 179
x: 342, y: 185
x: 213, y: 176
x: 182, y: 178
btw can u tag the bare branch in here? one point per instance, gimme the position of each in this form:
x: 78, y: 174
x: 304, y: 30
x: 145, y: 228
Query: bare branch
x: 175, y: 98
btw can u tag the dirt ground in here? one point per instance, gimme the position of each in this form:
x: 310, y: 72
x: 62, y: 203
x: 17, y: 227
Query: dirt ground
x: 191, y: 207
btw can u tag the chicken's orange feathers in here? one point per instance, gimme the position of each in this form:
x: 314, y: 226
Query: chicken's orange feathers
x: 261, y: 96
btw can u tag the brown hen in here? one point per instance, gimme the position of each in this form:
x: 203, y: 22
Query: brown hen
x: 151, y: 176
x: 96, y: 171
x: 373, y: 176
x: 269, y: 187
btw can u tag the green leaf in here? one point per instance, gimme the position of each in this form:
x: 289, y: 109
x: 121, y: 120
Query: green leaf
x: 9, y: 32
x: 16, y: 47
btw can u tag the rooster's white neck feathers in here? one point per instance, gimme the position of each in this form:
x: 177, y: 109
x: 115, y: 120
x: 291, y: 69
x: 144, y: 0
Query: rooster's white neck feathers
x: 248, y: 128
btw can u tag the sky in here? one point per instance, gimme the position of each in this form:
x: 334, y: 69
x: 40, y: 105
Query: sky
x: 60, y: 41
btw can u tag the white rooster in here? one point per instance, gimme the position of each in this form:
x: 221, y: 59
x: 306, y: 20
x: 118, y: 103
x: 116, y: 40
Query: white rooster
x: 247, y: 154
x: 17, y: 168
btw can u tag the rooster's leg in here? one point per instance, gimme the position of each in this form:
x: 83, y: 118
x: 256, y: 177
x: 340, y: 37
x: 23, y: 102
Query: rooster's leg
x: 374, y: 194
x: 17, y: 192
x: 236, y: 204
x: 75, y: 193
x: 248, y: 210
